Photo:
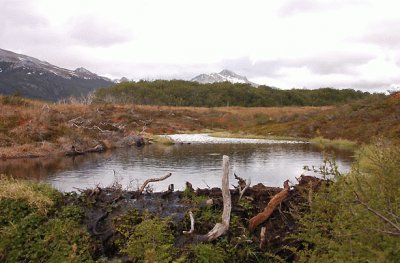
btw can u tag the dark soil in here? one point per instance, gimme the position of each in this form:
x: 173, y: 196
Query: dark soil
x: 103, y: 205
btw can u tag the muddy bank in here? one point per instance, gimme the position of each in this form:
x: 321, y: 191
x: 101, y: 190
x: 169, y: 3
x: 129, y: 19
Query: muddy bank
x: 111, y: 212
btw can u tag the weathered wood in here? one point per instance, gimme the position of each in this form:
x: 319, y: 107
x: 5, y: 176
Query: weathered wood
x: 221, y: 228
x: 191, y: 224
x: 97, y: 149
x: 269, y: 209
x: 74, y: 152
x: 241, y: 191
x: 263, y: 237
x: 151, y: 180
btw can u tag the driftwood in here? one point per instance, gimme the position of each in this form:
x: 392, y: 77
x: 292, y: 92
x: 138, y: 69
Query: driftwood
x: 191, y: 224
x: 151, y: 180
x: 221, y: 228
x: 97, y: 149
x: 74, y: 152
x: 272, y: 204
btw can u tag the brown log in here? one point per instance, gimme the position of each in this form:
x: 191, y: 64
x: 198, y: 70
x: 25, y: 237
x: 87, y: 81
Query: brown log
x: 151, y: 180
x: 272, y: 204
x: 221, y: 228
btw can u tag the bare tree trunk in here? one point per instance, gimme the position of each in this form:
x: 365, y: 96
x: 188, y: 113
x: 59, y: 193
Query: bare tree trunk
x: 221, y: 228
x: 273, y: 203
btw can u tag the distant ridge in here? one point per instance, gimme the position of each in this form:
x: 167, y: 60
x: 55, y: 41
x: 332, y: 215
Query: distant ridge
x: 33, y: 78
x: 224, y: 75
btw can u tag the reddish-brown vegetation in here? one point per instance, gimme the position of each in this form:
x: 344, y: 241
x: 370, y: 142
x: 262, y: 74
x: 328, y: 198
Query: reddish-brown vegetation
x: 33, y: 128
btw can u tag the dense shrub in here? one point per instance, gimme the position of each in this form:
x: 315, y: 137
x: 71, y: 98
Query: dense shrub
x: 186, y: 93
x: 355, y: 219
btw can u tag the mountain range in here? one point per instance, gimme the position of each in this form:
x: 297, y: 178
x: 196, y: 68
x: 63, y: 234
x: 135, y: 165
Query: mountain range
x: 224, y: 75
x: 34, y: 78
x: 31, y: 77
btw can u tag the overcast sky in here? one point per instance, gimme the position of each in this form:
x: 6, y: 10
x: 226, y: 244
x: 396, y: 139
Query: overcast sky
x: 286, y: 44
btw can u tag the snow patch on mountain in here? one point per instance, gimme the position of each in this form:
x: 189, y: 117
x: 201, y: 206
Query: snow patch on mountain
x: 224, y: 75
x: 19, y: 61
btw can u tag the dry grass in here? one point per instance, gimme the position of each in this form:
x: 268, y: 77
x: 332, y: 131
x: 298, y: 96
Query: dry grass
x: 23, y: 190
x: 23, y: 128
x: 341, y: 144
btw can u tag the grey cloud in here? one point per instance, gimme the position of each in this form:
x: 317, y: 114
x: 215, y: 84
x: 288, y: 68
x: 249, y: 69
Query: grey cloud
x: 93, y: 32
x: 370, y: 86
x: 245, y: 66
x: 323, y: 64
x: 334, y: 63
x: 20, y: 13
x: 383, y: 33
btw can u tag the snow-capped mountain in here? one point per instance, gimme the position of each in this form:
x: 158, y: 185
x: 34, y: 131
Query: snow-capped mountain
x: 34, y: 78
x: 224, y: 75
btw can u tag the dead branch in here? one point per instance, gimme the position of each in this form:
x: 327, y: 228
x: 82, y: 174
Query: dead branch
x: 263, y: 236
x: 168, y: 192
x: 46, y: 108
x: 191, y: 224
x: 382, y: 217
x: 221, y: 228
x: 272, y: 204
x: 241, y: 191
x: 151, y: 180
x: 241, y: 181
x: 206, y: 184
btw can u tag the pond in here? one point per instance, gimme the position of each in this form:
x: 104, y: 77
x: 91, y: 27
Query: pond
x: 200, y: 162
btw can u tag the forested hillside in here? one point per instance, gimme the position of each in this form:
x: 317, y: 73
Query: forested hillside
x: 186, y: 93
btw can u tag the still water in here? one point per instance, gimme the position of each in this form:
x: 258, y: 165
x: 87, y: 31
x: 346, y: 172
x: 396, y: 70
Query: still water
x: 269, y: 163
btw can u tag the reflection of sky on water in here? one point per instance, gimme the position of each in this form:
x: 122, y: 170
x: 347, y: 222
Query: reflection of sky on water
x: 199, y: 164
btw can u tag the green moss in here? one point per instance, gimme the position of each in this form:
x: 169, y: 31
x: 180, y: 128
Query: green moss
x: 151, y: 241
x: 208, y: 253
x: 36, y: 227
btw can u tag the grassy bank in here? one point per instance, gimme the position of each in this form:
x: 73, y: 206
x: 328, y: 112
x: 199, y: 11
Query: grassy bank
x: 33, y: 128
x: 340, y: 144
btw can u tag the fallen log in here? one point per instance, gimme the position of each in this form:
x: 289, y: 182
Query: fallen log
x: 221, y: 228
x: 151, y: 180
x: 269, y: 209
x: 97, y: 149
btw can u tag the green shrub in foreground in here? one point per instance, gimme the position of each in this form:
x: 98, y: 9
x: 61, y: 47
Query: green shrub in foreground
x: 356, y: 219
x: 34, y: 229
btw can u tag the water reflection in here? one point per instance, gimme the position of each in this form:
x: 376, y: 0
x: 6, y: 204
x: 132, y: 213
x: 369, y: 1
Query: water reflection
x: 200, y: 164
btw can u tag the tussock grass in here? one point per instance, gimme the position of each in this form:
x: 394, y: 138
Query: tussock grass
x: 39, y: 196
x: 162, y: 140
x: 341, y: 144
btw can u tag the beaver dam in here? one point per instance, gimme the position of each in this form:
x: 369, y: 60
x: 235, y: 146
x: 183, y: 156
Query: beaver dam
x: 248, y: 222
